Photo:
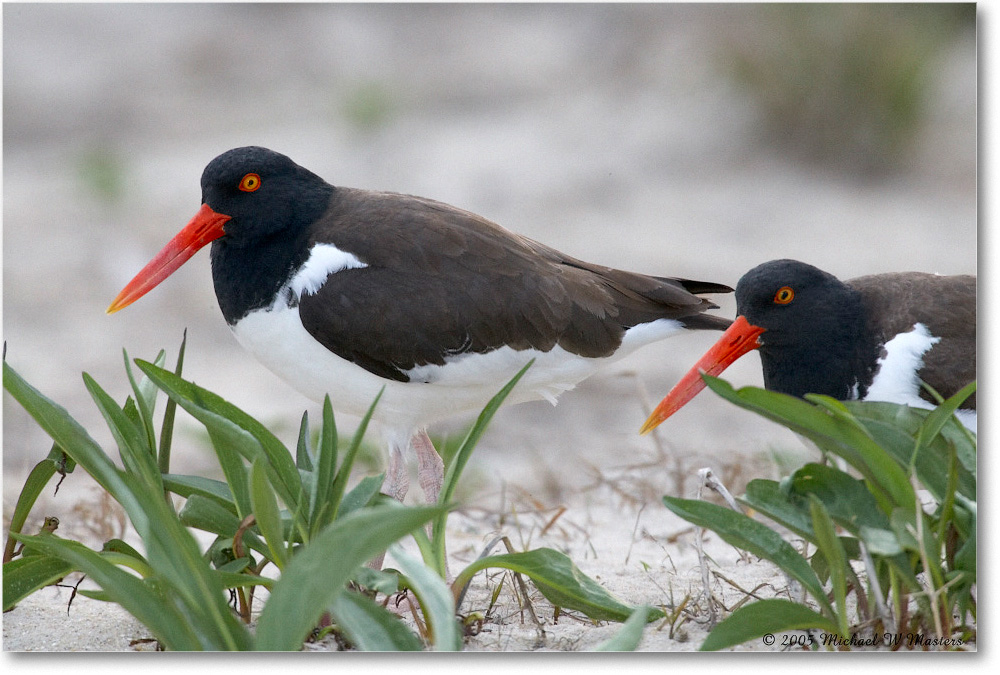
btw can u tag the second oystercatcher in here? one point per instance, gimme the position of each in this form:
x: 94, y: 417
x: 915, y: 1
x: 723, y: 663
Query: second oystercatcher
x: 872, y: 338
x: 343, y: 291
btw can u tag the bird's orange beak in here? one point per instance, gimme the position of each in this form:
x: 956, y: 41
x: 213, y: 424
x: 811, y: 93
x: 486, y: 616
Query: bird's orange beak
x: 740, y: 338
x: 203, y: 229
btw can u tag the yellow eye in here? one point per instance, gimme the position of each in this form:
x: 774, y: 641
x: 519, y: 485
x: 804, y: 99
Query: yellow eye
x: 250, y: 182
x: 784, y: 295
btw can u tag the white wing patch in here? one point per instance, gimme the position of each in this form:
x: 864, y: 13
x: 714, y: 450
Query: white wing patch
x: 324, y: 260
x: 896, y: 379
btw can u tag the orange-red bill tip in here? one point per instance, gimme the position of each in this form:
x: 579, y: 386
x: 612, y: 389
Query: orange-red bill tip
x: 741, y: 337
x: 205, y: 227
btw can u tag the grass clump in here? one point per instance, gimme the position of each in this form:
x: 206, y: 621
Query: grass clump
x: 900, y: 539
x: 290, y: 509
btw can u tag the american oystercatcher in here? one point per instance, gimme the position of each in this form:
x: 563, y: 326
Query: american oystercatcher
x: 872, y: 338
x: 346, y: 291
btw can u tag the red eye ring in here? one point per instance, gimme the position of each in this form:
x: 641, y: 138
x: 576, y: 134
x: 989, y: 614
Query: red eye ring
x: 784, y: 295
x: 250, y: 182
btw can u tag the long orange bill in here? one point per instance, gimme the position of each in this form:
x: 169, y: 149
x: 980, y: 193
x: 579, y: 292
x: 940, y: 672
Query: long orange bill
x: 739, y: 338
x: 204, y: 228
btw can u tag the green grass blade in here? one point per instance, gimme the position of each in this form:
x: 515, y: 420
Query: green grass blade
x: 133, y: 446
x: 829, y: 545
x: 372, y: 628
x: 27, y: 574
x: 173, y: 552
x: 145, y: 398
x: 265, y: 509
x: 344, y: 472
x: 464, y: 451
x: 454, y: 469
x: 435, y: 599
x: 746, y: 533
x: 323, y: 509
x: 169, y: 414
x: 559, y: 580
x: 627, y: 639
x: 941, y: 415
x: 303, y: 454
x: 225, y: 421
x: 317, y: 574
x: 762, y: 617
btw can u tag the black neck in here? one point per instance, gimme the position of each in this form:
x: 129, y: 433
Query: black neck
x: 248, y: 274
x: 839, y: 360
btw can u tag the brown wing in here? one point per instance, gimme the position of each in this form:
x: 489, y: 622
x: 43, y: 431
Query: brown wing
x: 441, y: 281
x: 946, y: 305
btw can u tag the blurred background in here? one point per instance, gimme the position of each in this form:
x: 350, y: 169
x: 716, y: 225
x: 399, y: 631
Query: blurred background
x: 678, y: 140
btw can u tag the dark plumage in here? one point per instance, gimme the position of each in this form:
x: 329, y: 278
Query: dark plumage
x: 351, y: 292
x: 873, y: 337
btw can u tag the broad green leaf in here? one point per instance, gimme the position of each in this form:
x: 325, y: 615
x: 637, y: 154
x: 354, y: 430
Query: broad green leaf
x: 361, y: 494
x: 317, y: 574
x: 216, y: 490
x: 832, y: 429
x: 74, y: 441
x: 265, y: 510
x: 762, y: 617
x: 768, y: 497
x: 627, y: 639
x: 225, y: 421
x: 381, y: 581
x: 435, y: 600
x: 559, y: 580
x: 208, y: 515
x: 36, y: 481
x: 847, y: 499
x: 372, y: 628
x: 23, y: 576
x: 746, y: 533
x: 161, y: 616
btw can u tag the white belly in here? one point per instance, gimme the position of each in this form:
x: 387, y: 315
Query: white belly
x: 276, y: 337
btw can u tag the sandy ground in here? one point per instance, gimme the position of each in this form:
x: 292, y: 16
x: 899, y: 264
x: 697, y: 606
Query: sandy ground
x: 611, y: 133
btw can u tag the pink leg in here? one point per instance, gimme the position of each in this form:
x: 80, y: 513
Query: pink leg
x: 430, y: 468
x: 397, y: 478
x: 430, y: 473
x: 395, y: 485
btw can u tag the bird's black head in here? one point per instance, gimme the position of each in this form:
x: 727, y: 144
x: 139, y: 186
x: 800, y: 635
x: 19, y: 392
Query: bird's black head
x: 257, y: 206
x: 791, y: 300
x: 270, y: 201
x: 814, y: 336
x: 263, y: 192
